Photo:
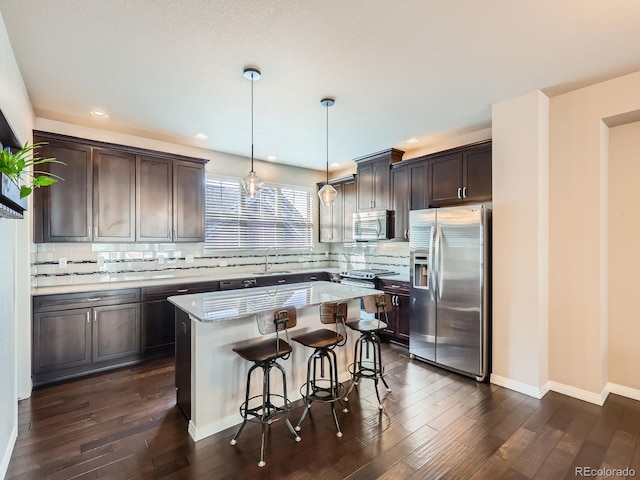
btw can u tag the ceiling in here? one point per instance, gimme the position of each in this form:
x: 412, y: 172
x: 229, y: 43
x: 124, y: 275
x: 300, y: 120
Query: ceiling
x: 427, y: 69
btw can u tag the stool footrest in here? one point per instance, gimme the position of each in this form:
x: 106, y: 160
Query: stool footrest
x: 367, y: 370
x: 273, y: 412
x: 321, y: 391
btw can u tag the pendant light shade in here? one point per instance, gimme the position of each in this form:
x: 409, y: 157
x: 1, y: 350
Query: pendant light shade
x: 327, y: 193
x: 252, y: 183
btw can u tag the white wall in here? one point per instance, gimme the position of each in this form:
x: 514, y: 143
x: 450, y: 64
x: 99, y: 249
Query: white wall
x: 578, y: 254
x: 624, y: 256
x: 14, y: 264
x: 520, y: 243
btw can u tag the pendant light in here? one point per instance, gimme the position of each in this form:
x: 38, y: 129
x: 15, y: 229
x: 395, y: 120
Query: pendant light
x: 252, y: 183
x: 327, y: 193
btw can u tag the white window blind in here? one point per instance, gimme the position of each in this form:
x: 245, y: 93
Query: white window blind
x: 279, y: 217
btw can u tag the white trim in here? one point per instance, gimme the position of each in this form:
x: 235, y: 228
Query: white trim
x: 519, y: 386
x: 6, y: 457
x: 579, y: 393
x: 623, y: 391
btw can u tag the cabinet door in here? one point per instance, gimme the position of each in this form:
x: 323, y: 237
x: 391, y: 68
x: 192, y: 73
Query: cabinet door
x: 477, y: 175
x: 365, y: 186
x: 418, y: 186
x: 158, y: 325
x: 400, y: 201
x: 381, y: 179
x: 154, y: 199
x: 114, y: 202
x: 63, y: 210
x: 402, y: 317
x: 116, y: 331
x: 349, y: 194
x: 61, y: 339
x: 445, y: 180
x: 188, y: 202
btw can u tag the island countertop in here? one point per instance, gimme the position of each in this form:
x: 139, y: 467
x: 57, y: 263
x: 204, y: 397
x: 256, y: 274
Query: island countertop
x: 232, y: 304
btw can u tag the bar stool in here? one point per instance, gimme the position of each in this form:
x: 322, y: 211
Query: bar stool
x: 264, y: 355
x: 324, y: 341
x: 367, y: 359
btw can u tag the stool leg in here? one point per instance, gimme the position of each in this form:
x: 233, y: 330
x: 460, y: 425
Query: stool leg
x: 307, y: 401
x: 333, y: 385
x: 380, y: 363
x: 357, y: 352
x: 286, y: 403
x: 246, y: 406
x: 266, y: 399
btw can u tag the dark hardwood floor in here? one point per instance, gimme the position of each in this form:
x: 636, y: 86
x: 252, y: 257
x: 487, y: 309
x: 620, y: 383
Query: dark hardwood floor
x: 436, y: 424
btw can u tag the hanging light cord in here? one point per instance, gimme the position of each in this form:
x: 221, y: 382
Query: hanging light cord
x: 327, y: 106
x: 252, y: 74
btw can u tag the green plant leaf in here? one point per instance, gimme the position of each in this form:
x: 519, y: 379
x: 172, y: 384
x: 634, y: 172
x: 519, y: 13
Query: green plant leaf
x: 25, y: 191
x: 43, y: 181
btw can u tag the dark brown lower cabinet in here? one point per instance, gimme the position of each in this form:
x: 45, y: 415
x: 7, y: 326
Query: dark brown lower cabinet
x: 80, y: 333
x: 398, y: 327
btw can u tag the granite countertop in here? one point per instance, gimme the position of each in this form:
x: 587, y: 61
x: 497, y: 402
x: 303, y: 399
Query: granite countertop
x: 233, y: 304
x: 137, y: 281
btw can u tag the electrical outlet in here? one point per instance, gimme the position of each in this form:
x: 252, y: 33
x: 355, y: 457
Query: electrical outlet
x: 223, y: 263
x: 188, y: 258
x: 62, y: 262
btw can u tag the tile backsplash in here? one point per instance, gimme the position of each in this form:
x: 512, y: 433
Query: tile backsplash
x: 55, y: 264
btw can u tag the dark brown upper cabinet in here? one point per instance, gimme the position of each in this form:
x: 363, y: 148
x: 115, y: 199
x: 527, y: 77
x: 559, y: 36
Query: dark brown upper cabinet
x: 460, y: 176
x: 114, y: 183
x: 154, y: 199
x: 373, y: 179
x: 115, y: 193
x: 336, y: 221
x: 409, y: 187
x: 188, y: 201
x: 63, y: 211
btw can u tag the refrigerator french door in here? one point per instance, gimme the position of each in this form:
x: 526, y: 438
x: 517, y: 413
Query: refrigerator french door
x: 449, y: 250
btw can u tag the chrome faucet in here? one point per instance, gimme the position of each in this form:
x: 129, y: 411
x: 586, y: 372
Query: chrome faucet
x: 266, y: 258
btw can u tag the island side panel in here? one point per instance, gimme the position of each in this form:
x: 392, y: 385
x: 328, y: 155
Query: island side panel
x: 219, y: 374
x: 183, y: 371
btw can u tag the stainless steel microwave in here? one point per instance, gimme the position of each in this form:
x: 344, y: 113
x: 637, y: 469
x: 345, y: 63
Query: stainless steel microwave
x: 375, y: 225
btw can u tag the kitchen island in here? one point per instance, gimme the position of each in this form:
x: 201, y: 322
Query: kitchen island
x: 211, y: 377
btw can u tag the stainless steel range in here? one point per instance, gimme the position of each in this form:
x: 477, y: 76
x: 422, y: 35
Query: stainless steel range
x: 363, y: 278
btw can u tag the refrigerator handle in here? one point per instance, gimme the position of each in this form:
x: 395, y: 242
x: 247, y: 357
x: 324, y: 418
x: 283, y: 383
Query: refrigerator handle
x: 438, y: 270
x: 430, y: 273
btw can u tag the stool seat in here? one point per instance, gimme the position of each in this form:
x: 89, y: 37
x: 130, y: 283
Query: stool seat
x: 319, y: 338
x: 367, y: 325
x: 264, y: 351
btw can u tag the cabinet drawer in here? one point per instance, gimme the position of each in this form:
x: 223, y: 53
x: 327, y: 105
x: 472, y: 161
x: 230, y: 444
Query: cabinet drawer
x: 394, y: 286
x: 162, y: 292
x: 66, y: 301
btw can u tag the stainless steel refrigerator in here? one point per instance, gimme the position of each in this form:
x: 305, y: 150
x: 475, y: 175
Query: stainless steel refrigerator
x: 449, y: 270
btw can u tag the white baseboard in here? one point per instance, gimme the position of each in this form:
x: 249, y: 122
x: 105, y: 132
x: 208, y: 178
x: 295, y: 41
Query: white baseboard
x: 6, y: 456
x: 580, y: 394
x: 623, y: 391
x: 519, y: 386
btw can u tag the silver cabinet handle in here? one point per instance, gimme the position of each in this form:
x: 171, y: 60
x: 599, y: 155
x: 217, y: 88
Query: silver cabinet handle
x: 182, y: 290
x: 406, y: 233
x: 88, y: 319
x: 95, y: 316
x: 313, y: 278
x: 464, y: 192
x: 89, y: 232
x: 175, y: 233
x: 282, y: 281
x: 93, y: 299
x: 95, y: 232
x: 169, y: 234
x: 459, y: 192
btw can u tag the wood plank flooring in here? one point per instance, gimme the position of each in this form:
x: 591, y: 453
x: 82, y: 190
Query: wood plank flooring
x: 436, y: 424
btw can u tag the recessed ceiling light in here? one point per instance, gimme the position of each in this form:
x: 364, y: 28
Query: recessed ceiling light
x: 272, y: 158
x: 413, y: 140
x: 99, y: 113
x: 335, y: 164
x: 201, y: 136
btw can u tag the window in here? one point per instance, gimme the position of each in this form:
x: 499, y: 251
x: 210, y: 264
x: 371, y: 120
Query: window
x: 279, y: 217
